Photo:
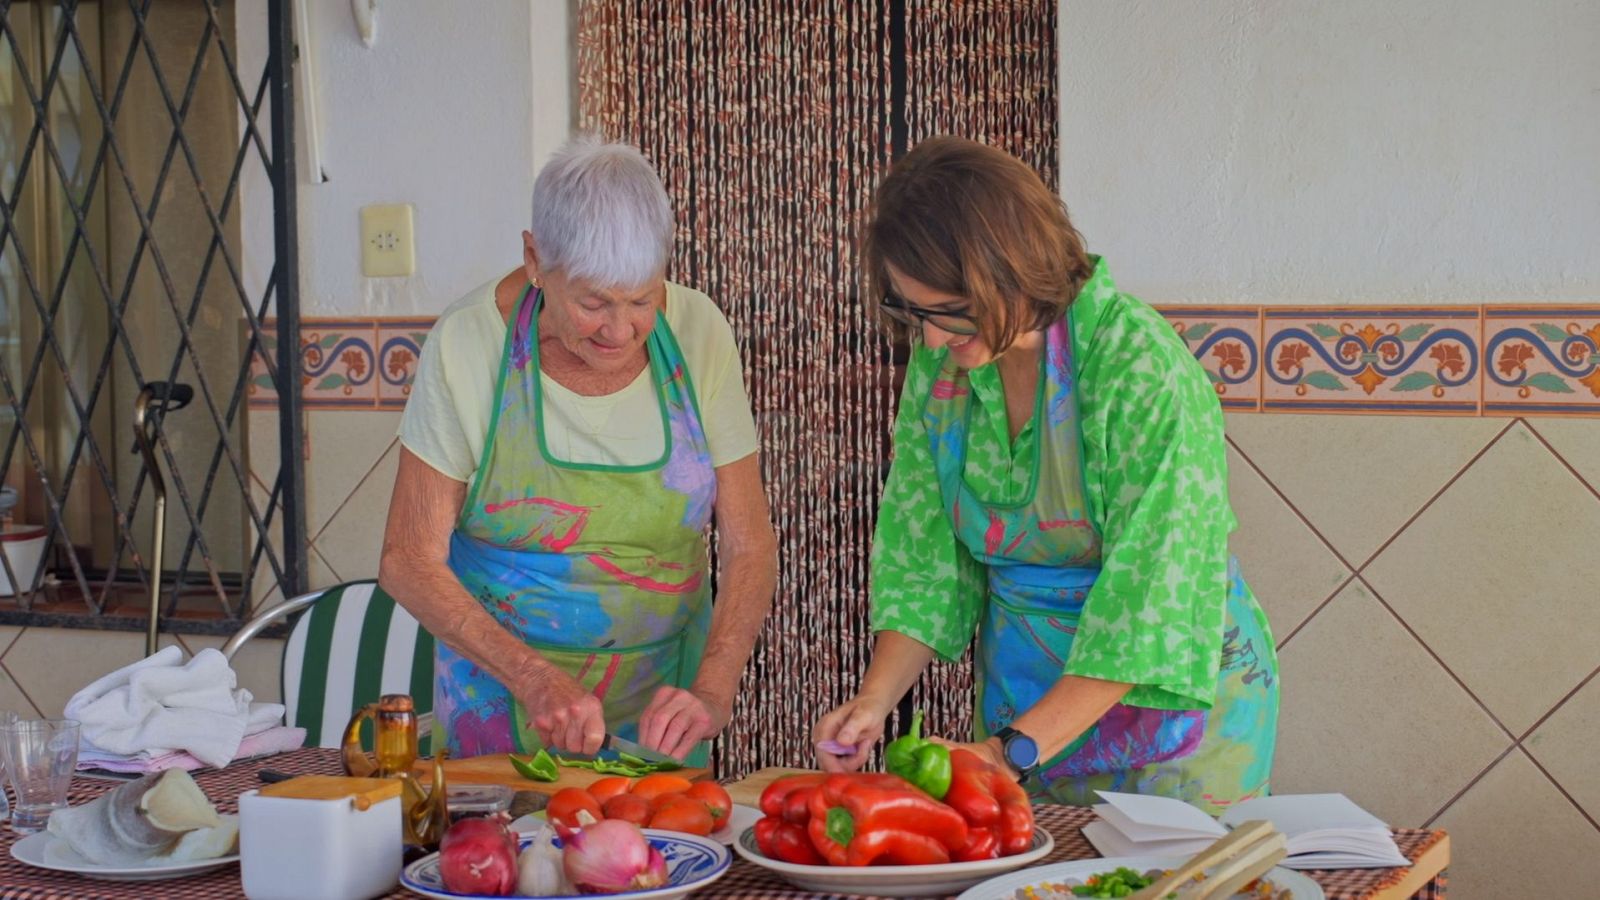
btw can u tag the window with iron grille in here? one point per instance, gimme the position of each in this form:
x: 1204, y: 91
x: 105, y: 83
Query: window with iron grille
x: 147, y: 237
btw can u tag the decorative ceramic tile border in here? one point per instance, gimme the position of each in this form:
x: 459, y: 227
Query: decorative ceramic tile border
x: 1532, y: 360
x: 1542, y: 360
x: 1226, y: 341
x: 399, y: 350
x: 1366, y: 360
x: 348, y: 363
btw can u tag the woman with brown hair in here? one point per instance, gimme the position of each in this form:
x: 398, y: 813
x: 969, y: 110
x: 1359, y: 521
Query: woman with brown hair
x: 1059, y: 487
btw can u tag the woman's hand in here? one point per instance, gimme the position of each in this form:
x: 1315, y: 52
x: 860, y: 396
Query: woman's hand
x: 566, y: 716
x: 857, y: 723
x: 677, y: 719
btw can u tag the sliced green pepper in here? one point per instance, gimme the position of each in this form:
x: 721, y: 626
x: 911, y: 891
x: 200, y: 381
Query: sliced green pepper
x: 625, y: 764
x: 645, y: 767
x: 540, y: 767
x: 920, y: 761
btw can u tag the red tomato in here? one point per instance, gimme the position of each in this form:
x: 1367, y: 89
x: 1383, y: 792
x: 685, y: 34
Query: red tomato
x: 609, y: 787
x: 714, y: 797
x: 661, y: 800
x: 566, y: 804
x: 628, y: 808
x: 652, y: 786
x: 683, y: 814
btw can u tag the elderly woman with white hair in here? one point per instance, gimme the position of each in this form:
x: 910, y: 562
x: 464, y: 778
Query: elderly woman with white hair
x: 573, y: 429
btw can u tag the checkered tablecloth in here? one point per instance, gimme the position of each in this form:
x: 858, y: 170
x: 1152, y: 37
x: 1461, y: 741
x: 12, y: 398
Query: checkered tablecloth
x: 20, y: 882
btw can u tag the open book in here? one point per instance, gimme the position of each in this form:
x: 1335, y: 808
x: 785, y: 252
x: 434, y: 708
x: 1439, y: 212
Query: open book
x: 1324, y: 831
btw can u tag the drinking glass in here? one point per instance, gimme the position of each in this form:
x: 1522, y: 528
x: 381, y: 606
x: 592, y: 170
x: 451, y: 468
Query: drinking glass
x: 39, y: 755
x: 6, y: 718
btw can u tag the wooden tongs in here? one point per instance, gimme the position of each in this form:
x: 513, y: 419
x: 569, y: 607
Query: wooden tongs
x: 1233, y: 861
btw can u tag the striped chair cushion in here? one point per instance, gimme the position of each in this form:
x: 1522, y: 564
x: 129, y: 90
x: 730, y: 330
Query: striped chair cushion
x: 353, y: 645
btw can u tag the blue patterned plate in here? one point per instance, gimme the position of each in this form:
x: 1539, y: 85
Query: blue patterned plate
x: 692, y: 863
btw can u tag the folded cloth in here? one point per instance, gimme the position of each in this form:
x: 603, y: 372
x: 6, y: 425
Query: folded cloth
x: 277, y: 739
x: 162, y: 705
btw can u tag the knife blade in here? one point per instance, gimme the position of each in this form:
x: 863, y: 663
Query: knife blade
x: 623, y: 745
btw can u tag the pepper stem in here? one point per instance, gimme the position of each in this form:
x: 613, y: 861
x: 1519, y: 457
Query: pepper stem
x: 841, y: 825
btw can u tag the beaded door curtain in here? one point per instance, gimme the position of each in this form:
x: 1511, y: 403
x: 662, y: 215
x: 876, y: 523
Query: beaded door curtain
x: 771, y: 123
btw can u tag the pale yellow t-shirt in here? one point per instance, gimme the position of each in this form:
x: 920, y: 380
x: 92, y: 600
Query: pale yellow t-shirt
x: 446, y: 420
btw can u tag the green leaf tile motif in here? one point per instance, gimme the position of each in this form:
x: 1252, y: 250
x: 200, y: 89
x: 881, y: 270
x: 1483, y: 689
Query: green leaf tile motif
x: 1551, y: 332
x: 1326, y: 381
x: 1416, y: 381
x: 1545, y: 381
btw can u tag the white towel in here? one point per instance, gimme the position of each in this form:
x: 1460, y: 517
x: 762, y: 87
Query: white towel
x: 267, y: 742
x: 162, y: 704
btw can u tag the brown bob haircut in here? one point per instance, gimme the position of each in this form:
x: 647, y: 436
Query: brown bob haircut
x: 967, y: 219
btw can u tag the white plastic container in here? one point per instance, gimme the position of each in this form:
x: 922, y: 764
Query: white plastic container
x: 293, y: 848
x: 23, y: 546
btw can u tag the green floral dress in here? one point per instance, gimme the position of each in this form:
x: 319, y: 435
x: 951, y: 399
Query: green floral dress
x: 1095, y: 544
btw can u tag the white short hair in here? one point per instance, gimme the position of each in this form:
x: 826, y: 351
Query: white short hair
x: 601, y: 215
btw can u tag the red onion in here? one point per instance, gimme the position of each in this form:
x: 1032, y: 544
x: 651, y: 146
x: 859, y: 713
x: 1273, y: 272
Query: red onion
x: 836, y: 749
x: 612, y: 856
x: 479, y: 856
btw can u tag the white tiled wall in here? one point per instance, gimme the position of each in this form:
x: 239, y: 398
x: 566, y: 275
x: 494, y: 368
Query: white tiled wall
x: 1435, y: 591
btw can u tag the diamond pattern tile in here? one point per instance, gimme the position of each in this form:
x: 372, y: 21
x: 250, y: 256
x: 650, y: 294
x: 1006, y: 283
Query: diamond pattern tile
x: 52, y: 664
x: 353, y: 542
x: 320, y: 573
x: 1578, y: 442
x: 1565, y: 746
x: 1289, y: 568
x: 12, y: 699
x: 261, y: 427
x: 1366, y: 712
x: 344, y: 447
x: 261, y: 444
x: 8, y: 634
x: 1514, y: 835
x: 1360, y: 478
x: 1499, y: 577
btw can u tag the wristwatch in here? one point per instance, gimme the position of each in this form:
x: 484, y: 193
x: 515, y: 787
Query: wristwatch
x: 1020, y: 751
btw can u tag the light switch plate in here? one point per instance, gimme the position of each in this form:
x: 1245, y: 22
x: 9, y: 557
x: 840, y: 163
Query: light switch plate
x: 387, y: 247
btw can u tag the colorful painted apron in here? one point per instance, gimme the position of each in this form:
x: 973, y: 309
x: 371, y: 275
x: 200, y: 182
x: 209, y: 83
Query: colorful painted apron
x: 1043, y: 555
x: 602, y: 569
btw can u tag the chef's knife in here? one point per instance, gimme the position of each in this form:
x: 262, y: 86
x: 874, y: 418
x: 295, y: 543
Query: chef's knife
x: 623, y: 745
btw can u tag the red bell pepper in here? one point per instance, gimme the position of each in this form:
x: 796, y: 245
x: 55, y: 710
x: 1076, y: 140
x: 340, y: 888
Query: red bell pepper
x: 988, y: 797
x: 792, y: 790
x: 982, y: 843
x: 859, y: 820
x: 789, y: 798
x: 777, y: 839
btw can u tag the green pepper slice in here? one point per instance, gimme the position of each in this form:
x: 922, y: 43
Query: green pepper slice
x: 540, y: 767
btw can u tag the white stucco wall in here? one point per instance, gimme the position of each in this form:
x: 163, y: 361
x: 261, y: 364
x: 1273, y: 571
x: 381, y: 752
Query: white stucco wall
x: 451, y: 110
x: 1301, y: 151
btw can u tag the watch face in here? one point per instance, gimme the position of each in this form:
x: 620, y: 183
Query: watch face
x: 1022, y: 752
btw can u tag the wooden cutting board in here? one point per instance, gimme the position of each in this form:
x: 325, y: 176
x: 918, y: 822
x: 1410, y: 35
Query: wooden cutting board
x: 747, y: 790
x: 496, y: 769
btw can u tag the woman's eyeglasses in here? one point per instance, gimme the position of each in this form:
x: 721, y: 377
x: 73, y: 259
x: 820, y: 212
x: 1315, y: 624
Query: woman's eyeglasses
x: 898, y: 309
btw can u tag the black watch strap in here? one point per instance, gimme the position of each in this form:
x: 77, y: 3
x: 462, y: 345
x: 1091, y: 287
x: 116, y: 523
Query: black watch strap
x: 1010, y: 737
